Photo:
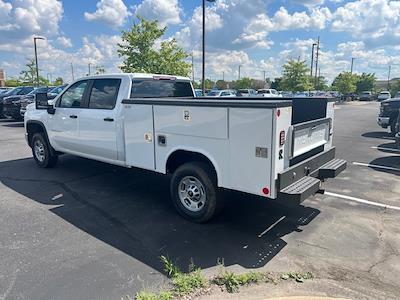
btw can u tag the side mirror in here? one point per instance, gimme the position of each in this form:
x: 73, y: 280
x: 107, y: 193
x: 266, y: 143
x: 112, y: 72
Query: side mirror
x: 42, y: 102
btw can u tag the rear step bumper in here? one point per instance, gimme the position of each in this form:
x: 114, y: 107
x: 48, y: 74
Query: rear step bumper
x: 304, y: 179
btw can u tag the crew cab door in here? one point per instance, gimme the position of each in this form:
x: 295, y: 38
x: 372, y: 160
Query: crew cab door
x: 97, y: 122
x: 64, y: 123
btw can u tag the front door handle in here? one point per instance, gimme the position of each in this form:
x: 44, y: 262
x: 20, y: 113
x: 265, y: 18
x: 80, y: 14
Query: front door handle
x: 73, y: 116
x: 108, y: 119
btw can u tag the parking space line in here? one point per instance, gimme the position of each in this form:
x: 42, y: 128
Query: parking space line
x: 359, y: 200
x: 270, y: 227
x: 386, y: 149
x: 376, y: 166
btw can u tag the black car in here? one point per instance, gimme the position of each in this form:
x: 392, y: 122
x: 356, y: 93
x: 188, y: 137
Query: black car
x: 12, y: 104
x: 397, y: 135
x: 21, y: 90
x: 389, y: 113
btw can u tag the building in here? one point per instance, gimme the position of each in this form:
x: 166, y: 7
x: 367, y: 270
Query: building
x: 2, y: 78
x: 383, y: 84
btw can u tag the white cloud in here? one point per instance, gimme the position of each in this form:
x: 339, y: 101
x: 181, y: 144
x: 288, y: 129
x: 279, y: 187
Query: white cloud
x: 64, y: 42
x: 374, y: 21
x: 21, y: 19
x: 112, y: 12
x: 309, y: 3
x: 165, y: 11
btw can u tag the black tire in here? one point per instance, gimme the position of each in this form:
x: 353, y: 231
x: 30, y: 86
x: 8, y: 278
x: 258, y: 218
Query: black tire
x: 44, y: 158
x: 213, y: 202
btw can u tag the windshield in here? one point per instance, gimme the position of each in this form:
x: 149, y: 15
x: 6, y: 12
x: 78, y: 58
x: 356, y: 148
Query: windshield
x: 243, y: 91
x: 213, y: 93
x: 384, y: 93
x: 13, y: 92
x: 149, y: 88
x: 366, y: 93
x: 38, y: 90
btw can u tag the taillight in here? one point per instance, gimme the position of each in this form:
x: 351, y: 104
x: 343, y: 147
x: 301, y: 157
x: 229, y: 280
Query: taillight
x: 282, y: 138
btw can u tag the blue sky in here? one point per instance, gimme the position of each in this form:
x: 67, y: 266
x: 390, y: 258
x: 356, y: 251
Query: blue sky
x: 259, y: 35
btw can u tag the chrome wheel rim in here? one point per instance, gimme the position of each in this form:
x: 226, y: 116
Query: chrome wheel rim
x: 39, y: 150
x: 192, y: 193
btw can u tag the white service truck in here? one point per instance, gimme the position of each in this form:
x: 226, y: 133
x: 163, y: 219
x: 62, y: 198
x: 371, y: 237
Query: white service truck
x: 275, y: 148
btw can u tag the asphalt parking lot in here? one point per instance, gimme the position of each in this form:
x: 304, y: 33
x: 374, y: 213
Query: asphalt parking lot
x: 88, y: 230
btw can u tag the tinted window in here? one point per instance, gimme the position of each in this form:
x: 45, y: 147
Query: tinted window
x: 73, y: 96
x: 160, y: 88
x: 26, y: 90
x: 104, y: 93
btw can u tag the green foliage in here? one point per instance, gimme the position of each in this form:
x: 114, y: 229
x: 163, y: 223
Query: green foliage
x: 58, y: 81
x: 13, y: 82
x: 209, y: 84
x: 295, y: 77
x: 140, y: 55
x: 221, y: 85
x: 184, y: 284
x: 299, y: 277
x: 321, y: 84
x: 28, y: 76
x: 394, y: 88
x: 243, y: 83
x: 365, y: 82
x: 100, y: 70
x: 276, y: 84
x: 233, y: 281
x: 152, y: 296
x: 169, y: 267
x: 345, y: 83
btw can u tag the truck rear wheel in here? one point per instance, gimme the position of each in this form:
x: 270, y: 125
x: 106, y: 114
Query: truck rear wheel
x: 41, y: 152
x: 194, y: 192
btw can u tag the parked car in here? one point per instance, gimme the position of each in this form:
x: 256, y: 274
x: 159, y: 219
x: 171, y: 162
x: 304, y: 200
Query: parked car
x: 246, y: 93
x: 51, y: 94
x: 22, y: 90
x: 12, y: 104
x: 389, y: 112
x: 5, y: 90
x: 397, y: 95
x: 366, y: 96
x: 198, y: 92
x: 384, y: 95
x: 137, y: 120
x: 397, y: 135
x: 302, y: 95
x: 221, y: 93
x: 268, y: 93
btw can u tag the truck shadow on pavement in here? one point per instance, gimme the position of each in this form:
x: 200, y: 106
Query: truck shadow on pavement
x: 378, y: 135
x: 391, y: 162
x: 130, y: 210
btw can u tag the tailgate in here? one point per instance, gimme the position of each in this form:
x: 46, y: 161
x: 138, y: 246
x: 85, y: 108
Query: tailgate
x: 308, y: 136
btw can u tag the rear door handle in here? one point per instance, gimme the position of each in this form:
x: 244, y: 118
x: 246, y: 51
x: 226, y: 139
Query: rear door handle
x: 73, y: 117
x: 108, y: 119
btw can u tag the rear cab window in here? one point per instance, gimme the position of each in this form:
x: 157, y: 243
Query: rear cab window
x: 104, y: 93
x: 149, y: 88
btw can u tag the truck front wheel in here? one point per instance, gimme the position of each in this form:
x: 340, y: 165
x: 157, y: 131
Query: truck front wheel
x: 41, y: 152
x: 194, y: 192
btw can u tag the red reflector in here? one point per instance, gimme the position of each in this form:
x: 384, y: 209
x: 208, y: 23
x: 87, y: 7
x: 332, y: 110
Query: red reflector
x: 265, y: 191
x: 282, y: 138
x: 278, y: 112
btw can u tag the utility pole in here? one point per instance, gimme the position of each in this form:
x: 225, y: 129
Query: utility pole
x: 223, y: 76
x: 192, y: 67
x: 316, y: 62
x: 264, y: 75
x: 36, y: 58
x: 239, y: 72
x: 352, y: 64
x: 89, y: 69
x: 72, y: 72
x: 312, y: 59
x: 203, y: 75
x: 388, y: 82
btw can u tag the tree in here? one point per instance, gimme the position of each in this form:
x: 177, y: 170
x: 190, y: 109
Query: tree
x: 365, y: 82
x: 59, y: 81
x: 13, y: 82
x: 243, y: 83
x: 140, y: 54
x: 322, y: 84
x: 276, y: 84
x: 394, y: 88
x: 295, y: 76
x: 209, y: 84
x: 100, y: 70
x: 221, y: 85
x: 28, y: 76
x: 345, y: 83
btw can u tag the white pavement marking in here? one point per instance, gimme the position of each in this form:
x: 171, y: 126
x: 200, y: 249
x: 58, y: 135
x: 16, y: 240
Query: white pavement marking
x: 57, y: 197
x: 376, y: 166
x: 363, y: 201
x: 386, y: 149
x: 268, y: 229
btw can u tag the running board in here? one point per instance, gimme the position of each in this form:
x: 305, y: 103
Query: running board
x: 332, y: 168
x: 301, y: 189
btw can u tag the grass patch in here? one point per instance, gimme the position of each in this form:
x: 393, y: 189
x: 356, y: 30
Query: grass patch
x: 153, y: 296
x: 232, y: 281
x: 299, y: 277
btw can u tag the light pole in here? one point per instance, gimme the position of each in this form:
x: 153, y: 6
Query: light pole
x: 203, y: 77
x: 36, y: 57
x: 352, y: 64
x: 312, y: 58
x: 240, y: 66
x: 388, y: 82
